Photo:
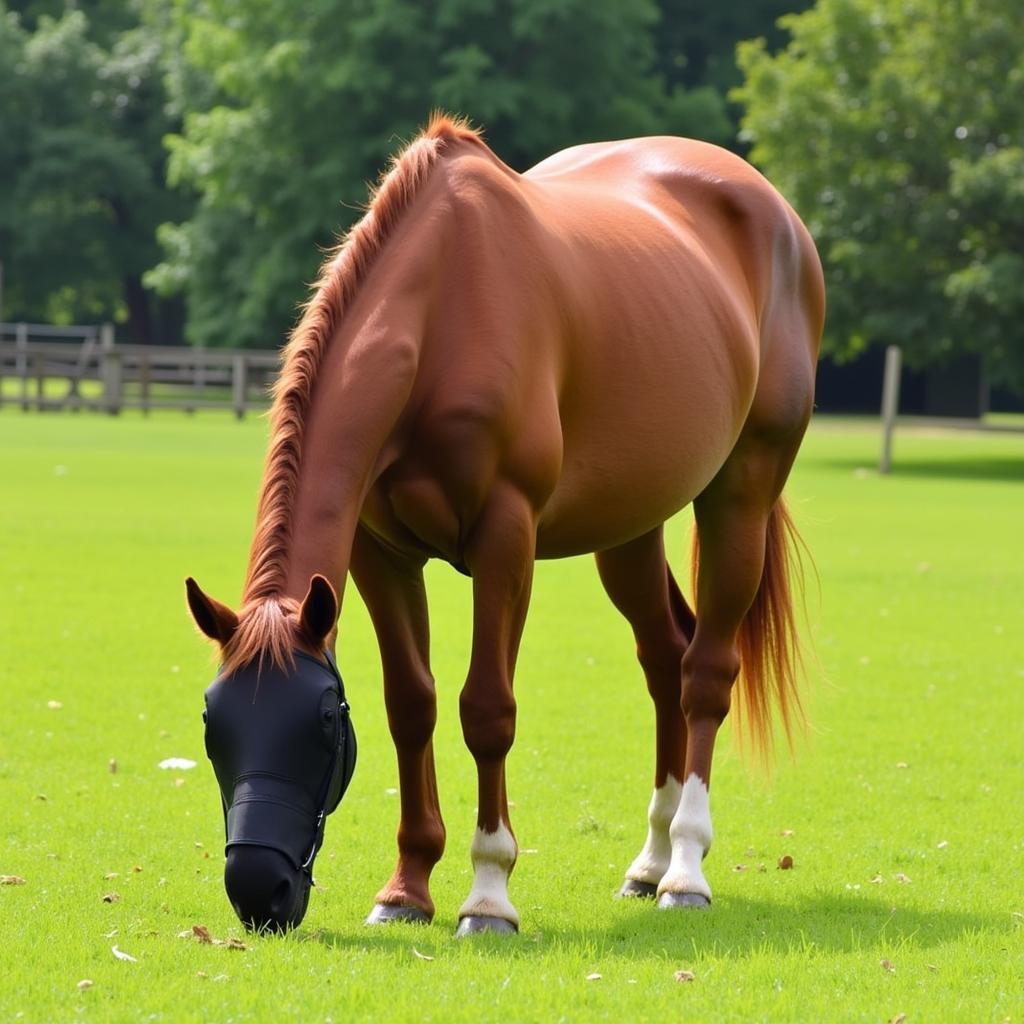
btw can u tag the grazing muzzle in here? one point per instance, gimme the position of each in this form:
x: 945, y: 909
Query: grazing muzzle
x: 283, y: 750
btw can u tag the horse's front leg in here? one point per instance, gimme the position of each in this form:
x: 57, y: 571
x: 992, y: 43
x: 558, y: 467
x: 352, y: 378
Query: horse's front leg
x: 393, y: 590
x: 500, y: 557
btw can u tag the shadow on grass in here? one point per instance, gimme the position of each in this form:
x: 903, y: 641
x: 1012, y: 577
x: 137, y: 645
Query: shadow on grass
x: 733, y: 928
x: 1009, y: 469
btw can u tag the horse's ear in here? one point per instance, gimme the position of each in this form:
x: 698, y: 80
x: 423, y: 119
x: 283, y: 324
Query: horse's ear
x: 319, y: 612
x: 216, y: 620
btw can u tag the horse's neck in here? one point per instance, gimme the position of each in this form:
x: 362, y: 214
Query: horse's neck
x: 360, y: 395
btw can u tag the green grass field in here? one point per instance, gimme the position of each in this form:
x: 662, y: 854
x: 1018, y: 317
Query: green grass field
x: 902, y: 810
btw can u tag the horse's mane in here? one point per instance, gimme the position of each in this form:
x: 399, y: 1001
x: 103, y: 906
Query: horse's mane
x: 266, y: 616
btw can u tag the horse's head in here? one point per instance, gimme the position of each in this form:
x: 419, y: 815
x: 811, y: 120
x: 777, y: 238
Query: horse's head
x: 283, y: 750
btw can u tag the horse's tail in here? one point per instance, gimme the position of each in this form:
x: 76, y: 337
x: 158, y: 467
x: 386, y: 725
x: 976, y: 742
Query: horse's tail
x: 771, y: 664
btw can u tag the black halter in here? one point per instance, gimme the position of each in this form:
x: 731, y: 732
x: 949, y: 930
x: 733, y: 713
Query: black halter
x: 283, y: 749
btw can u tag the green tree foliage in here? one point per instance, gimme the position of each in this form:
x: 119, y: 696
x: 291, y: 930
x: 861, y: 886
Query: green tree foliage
x: 896, y: 127
x: 82, y: 167
x: 287, y: 118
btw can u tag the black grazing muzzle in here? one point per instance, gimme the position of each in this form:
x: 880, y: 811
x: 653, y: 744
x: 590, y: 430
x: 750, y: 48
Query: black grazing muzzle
x: 283, y: 750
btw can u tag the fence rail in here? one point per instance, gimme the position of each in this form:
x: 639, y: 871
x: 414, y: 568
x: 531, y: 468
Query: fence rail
x: 82, y: 368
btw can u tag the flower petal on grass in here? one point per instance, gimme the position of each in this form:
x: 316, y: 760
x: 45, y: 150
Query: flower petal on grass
x: 178, y: 763
x: 122, y: 955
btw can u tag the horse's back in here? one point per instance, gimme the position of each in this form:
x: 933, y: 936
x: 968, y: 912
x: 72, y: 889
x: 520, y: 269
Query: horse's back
x: 671, y: 254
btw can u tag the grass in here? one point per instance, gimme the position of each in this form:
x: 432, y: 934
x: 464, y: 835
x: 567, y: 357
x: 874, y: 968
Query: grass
x: 914, y: 766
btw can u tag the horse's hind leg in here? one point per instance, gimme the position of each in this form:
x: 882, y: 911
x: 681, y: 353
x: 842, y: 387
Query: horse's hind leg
x: 395, y: 596
x: 639, y: 582
x: 734, y: 516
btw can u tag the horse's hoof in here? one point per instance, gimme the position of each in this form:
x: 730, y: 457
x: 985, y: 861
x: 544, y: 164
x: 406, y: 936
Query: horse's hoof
x: 477, y: 924
x: 634, y: 890
x: 683, y: 900
x: 385, y: 913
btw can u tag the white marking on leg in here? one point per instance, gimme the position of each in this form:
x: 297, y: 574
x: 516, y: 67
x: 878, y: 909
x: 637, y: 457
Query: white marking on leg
x: 652, y: 861
x: 493, y: 855
x: 691, y: 836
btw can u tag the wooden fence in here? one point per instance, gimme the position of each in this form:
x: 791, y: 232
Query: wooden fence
x: 82, y: 368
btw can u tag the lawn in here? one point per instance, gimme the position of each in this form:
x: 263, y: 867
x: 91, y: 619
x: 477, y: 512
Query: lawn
x: 902, y: 810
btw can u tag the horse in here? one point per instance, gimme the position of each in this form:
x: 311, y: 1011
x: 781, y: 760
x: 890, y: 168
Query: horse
x: 496, y: 367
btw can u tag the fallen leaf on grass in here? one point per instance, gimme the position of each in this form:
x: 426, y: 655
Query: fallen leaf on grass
x: 137, y: 868
x: 11, y: 880
x: 84, y: 984
x: 942, y: 845
x: 740, y: 867
x: 231, y: 943
x: 785, y: 862
x: 898, y: 1019
x: 594, y: 977
x: 762, y: 868
x: 877, y: 880
x: 121, y: 955
x: 684, y: 976
x: 421, y: 956
x: 201, y: 974
x: 888, y: 965
x: 54, y: 705
x: 111, y: 897
x: 786, y: 833
x: 178, y: 763
x: 932, y: 968
x: 110, y: 875
x: 41, y: 796
x: 202, y: 934
x: 112, y: 765
x: 902, y: 764
x: 901, y: 878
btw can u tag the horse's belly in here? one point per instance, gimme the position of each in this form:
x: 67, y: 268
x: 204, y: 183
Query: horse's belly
x: 643, y: 435
x: 631, y: 473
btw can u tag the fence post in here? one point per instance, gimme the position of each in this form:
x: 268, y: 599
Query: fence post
x: 39, y: 372
x: 144, y: 382
x: 890, y: 404
x: 21, y: 361
x: 110, y: 362
x: 239, y: 383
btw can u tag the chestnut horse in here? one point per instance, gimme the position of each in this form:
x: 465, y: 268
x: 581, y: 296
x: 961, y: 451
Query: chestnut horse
x: 497, y: 367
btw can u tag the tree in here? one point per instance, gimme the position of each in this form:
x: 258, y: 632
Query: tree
x: 82, y: 167
x: 285, y: 120
x: 895, y: 127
